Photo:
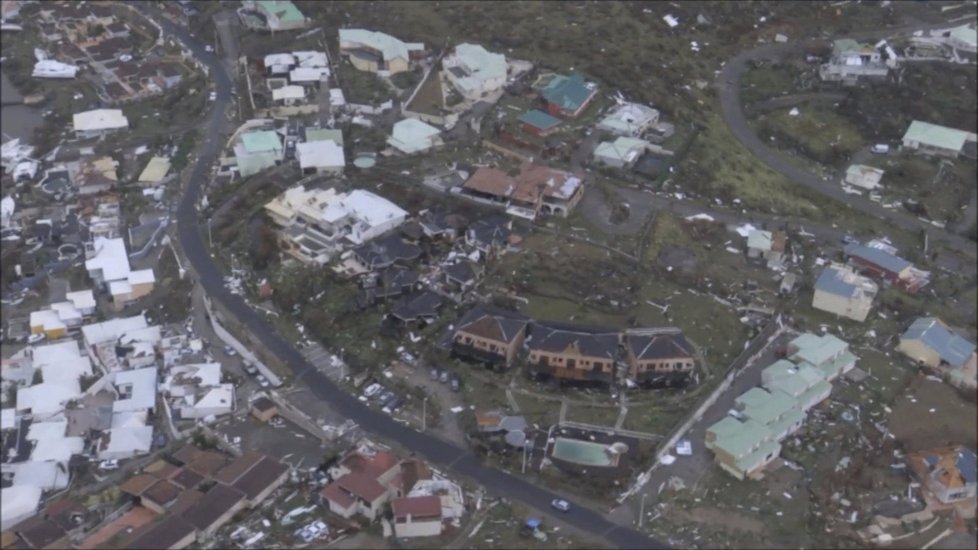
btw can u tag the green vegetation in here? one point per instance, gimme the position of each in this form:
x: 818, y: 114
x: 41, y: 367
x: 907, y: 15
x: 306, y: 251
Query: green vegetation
x: 362, y: 87
x: 817, y: 132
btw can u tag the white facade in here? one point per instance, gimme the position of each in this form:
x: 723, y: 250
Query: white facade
x: 321, y: 157
x: 411, y: 136
x: 629, y: 120
x: 98, y: 122
x: 474, y: 71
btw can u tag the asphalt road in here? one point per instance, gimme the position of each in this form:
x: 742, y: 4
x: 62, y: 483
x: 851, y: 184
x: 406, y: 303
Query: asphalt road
x: 210, y: 276
x: 733, y: 115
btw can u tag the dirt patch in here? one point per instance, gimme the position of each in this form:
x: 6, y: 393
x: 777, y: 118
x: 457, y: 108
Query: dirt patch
x: 724, y: 519
x: 914, y: 425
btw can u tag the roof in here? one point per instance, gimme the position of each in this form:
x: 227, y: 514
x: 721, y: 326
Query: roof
x: 841, y: 282
x: 291, y: 91
x: 492, y: 230
x: 284, y: 10
x: 817, y: 349
x: 493, y: 324
x: 308, y: 74
x: 162, y: 534
x: 966, y: 34
x: 553, y: 183
x: 186, y: 478
x: 601, y: 343
x: 99, y: 119
x: 413, y: 307
x: 113, y: 329
x: 111, y: 257
x: 47, y: 397
x: 260, y: 477
x: 384, y: 251
x: 155, y: 170
x: 491, y: 181
x: 412, y: 135
x: 41, y: 532
x: 81, y: 299
x: 61, y: 361
x: 629, y: 118
x: 238, y: 467
x: 127, y: 441
x: 738, y: 438
x: 951, y: 348
x: 862, y: 171
x: 624, y: 148
x: 335, y: 494
x: 324, y: 134
x: 138, y: 484
x: 214, y: 504
x: 933, y: 135
x: 320, y: 154
x: 875, y: 256
x: 140, y: 384
x: 201, y: 461
x: 569, y: 93
x: 463, y: 271
x: 761, y: 240
x: 953, y: 467
x: 261, y: 141
x: 417, y: 507
x: 765, y: 407
x: 389, y: 47
x: 371, y: 209
x: 263, y: 404
x: 659, y: 344
x: 375, y: 464
x: 163, y: 492
x: 539, y: 119
x: 482, y: 64
x: 19, y: 501
x: 360, y: 485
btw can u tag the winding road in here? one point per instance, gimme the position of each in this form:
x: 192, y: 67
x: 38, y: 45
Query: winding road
x: 459, y: 461
x: 728, y: 85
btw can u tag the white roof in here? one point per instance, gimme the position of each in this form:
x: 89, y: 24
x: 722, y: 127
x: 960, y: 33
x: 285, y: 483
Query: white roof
x: 387, y: 45
x: 100, y: 119
x: 82, y: 299
x: 217, y: 397
x: 96, y: 333
x: 372, y: 209
x: 129, y: 419
x: 57, y: 448
x: 320, y: 154
x: 127, y: 441
x: 628, y: 118
x: 761, y: 240
x: 62, y: 362
x: 120, y: 288
x: 111, y: 257
x: 308, y: 74
x: 48, y: 319
x: 18, y: 503
x: 184, y: 378
x: 8, y: 418
x: 311, y: 59
x: 279, y: 59
x: 142, y: 276
x: 412, y: 135
x: 288, y: 92
x: 47, y: 397
x: 336, y: 99
x: 52, y: 429
x: 46, y: 475
x: 483, y: 64
x: 623, y: 148
x: 141, y: 384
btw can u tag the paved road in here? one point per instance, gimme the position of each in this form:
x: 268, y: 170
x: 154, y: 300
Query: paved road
x: 209, y: 275
x: 733, y: 115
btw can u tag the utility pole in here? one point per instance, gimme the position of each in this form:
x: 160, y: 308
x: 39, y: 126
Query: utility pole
x: 424, y: 413
x: 525, y: 446
x: 210, y: 238
x: 641, y: 512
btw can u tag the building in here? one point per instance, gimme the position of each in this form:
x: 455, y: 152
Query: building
x: 323, y: 134
x: 776, y: 410
x: 947, y: 473
x: 289, y: 95
x: 256, y: 151
x: 279, y: 15
x: 490, y: 235
x: 254, y: 475
x: 629, y: 120
x: 316, y: 224
x: 768, y: 246
x: 320, y: 157
x: 964, y: 38
x: 410, y: 136
x: 214, y: 509
x: 474, y: 72
x: 842, y: 291
x: 931, y: 343
x: 490, y: 335
x: 98, y: 122
x: 536, y: 189
x: 107, y: 262
x: 155, y: 171
x: 264, y: 409
x: 932, y: 139
x: 374, y: 52
x: 805, y: 384
x: 419, y: 516
x: 384, y: 252
x: 567, y: 96
x: 539, y: 123
x: 572, y: 352
x: 362, y: 483
x: 173, y: 532
x: 656, y: 356
x: 742, y: 448
x: 881, y: 264
x: 621, y: 153
x: 827, y: 353
x: 55, y: 321
x: 852, y: 61
x: 864, y: 176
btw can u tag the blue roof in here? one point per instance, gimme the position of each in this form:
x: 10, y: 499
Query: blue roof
x: 967, y: 465
x: 539, y: 119
x: 952, y: 349
x: 567, y: 92
x: 889, y: 262
x: 832, y: 281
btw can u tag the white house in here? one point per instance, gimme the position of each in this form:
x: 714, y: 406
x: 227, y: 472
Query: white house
x: 842, y: 291
x: 136, y: 390
x: 107, y: 262
x: 621, y: 153
x: 933, y: 139
x: 376, y: 51
x: 320, y: 157
x: 474, y: 71
x: 122, y: 443
x: 864, y: 176
x: 18, y: 503
x: 289, y: 95
x: 629, y: 119
x: 98, y: 122
x: 411, y: 136
x: 256, y: 151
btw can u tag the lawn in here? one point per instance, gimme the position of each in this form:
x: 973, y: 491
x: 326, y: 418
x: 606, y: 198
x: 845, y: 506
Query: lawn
x: 430, y: 99
x: 362, y: 87
x: 817, y: 132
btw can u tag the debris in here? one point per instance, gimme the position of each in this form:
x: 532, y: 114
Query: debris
x: 670, y: 20
x: 676, y: 483
x: 780, y: 38
x: 667, y: 459
x: 787, y: 495
x: 843, y: 464
x: 684, y: 447
x: 794, y: 111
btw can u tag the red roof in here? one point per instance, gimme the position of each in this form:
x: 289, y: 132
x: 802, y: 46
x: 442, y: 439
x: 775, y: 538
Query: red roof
x: 417, y: 507
x: 335, y: 494
x: 374, y: 466
x: 361, y: 486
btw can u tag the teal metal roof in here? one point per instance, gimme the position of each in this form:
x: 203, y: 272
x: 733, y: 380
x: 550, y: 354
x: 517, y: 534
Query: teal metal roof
x: 258, y: 142
x: 539, y: 119
x: 324, y: 134
x: 933, y: 135
x: 739, y: 440
x: 283, y: 9
x: 817, y: 349
x: 567, y: 92
x: 765, y: 407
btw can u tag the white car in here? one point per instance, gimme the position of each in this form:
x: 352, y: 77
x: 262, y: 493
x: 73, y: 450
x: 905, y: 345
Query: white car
x: 372, y: 390
x: 228, y: 350
x: 262, y: 381
x: 212, y: 96
x: 112, y: 464
x: 560, y: 504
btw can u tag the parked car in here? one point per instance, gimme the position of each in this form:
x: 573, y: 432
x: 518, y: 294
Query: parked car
x: 443, y: 376
x: 385, y: 397
x: 212, y: 96
x: 880, y: 148
x: 734, y: 413
x: 849, y: 239
x: 262, y: 381
x: 456, y: 384
x: 560, y: 504
x: 112, y: 464
x: 372, y: 390
x: 434, y: 374
x: 228, y: 350
x: 392, y: 405
x: 250, y: 368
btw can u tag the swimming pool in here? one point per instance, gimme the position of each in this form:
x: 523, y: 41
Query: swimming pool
x: 586, y: 453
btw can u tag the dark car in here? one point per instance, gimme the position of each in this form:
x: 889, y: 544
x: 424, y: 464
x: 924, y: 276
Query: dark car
x: 455, y: 383
x: 392, y: 405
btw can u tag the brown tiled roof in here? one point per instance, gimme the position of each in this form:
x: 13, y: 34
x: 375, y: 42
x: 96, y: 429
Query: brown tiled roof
x: 491, y: 181
x: 536, y: 178
x: 41, y: 533
x: 201, y: 461
x: 162, y: 534
x: 263, y: 404
x: 186, y: 499
x: 214, y: 504
x: 135, y: 518
x: 417, y: 507
x: 375, y: 466
x: 779, y: 240
x: 162, y: 493
x: 160, y: 468
x: 412, y: 471
x: 137, y: 484
x: 186, y: 478
x: 362, y: 486
x: 238, y: 467
x: 260, y: 477
x: 334, y: 493
x: 489, y: 419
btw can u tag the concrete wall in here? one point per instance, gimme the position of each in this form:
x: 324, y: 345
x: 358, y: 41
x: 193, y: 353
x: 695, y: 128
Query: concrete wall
x: 230, y: 340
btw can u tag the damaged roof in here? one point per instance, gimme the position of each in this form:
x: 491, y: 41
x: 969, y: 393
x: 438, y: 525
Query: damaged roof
x: 493, y: 323
x: 559, y: 337
x: 659, y: 344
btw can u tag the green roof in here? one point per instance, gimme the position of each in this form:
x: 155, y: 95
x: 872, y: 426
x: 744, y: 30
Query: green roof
x: 739, y: 438
x: 933, y: 135
x: 257, y: 142
x: 746, y: 463
x: 965, y: 33
x: 765, y: 407
x: 833, y: 368
x: 567, y: 92
x: 283, y: 9
x: 324, y: 134
x: 792, y: 382
x: 539, y: 119
x: 817, y: 349
x: 622, y: 148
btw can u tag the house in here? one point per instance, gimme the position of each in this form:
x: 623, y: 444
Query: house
x: 107, y: 262
x: 475, y: 72
x: 462, y: 275
x: 535, y: 189
x: 805, y: 383
x: 621, y: 153
x: 18, y: 503
x: 491, y: 335
x: 439, y: 223
x: 864, y: 176
x: 629, y: 120
x: 374, y: 52
x: 419, y: 516
x: 362, y: 483
x: 60, y: 317
x: 383, y: 252
x: 572, y: 352
x: 411, y: 136
x: 289, y: 95
x: 322, y: 134
x: 767, y: 245
x: 421, y: 308
x: 489, y: 235
x: 264, y: 409
x: 122, y: 443
x: 320, y: 157
x: 172, y: 532
x: 775, y: 410
x: 539, y: 123
x: 214, y: 509
x: 89, y: 176
x: 389, y: 283
x: 964, y: 38
x: 98, y: 122
x: 742, y: 448
x: 155, y: 171
x: 827, y: 353
x: 933, y: 139
x: 255, y: 475
x: 881, y: 264
x: 256, y: 151
x: 931, y: 343
x: 279, y: 15
x: 567, y: 96
x: 852, y: 61
x: 947, y: 473
x: 842, y: 291
x: 658, y: 355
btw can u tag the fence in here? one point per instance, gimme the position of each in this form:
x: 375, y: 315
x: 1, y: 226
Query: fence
x: 606, y: 429
x: 246, y: 353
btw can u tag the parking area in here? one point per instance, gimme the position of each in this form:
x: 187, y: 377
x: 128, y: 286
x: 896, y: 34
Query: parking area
x: 288, y: 440
x: 324, y: 361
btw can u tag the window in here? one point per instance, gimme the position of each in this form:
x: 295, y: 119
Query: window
x: 493, y: 347
x: 468, y: 339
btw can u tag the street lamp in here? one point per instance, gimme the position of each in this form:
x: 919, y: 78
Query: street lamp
x: 641, y: 512
x: 424, y: 413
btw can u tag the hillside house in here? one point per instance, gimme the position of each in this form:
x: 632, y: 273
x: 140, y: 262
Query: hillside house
x: 933, y: 139
x: 378, y: 52
x: 930, y: 342
x: 881, y: 264
x: 629, y: 120
x: 624, y: 152
x: 256, y: 151
x: 567, y: 96
x: 572, y: 352
x: 947, y: 473
x: 475, y: 72
x: 842, y: 291
x: 490, y: 335
x: 767, y: 246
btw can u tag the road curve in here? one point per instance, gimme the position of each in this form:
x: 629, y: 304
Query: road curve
x: 458, y: 460
x: 728, y: 85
